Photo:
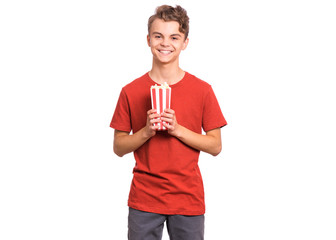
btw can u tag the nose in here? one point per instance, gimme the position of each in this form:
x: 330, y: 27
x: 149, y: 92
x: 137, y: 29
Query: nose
x: 165, y: 42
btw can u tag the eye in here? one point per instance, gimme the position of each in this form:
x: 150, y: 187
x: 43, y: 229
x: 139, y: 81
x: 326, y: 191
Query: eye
x: 157, y: 36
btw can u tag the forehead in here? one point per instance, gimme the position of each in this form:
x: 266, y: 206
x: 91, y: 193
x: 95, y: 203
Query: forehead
x: 170, y: 27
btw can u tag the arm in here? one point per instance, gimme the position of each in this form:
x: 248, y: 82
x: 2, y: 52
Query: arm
x: 124, y: 142
x: 210, y: 143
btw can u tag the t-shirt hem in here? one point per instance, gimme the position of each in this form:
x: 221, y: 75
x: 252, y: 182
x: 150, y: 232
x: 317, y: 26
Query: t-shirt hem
x: 166, y: 211
x: 214, y: 127
x: 119, y: 128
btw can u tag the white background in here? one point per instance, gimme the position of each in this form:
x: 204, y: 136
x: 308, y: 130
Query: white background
x: 271, y: 64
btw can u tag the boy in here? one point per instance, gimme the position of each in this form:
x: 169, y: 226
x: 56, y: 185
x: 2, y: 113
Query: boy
x: 167, y: 184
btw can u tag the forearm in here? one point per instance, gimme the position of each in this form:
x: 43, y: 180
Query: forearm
x: 125, y: 143
x: 209, y: 143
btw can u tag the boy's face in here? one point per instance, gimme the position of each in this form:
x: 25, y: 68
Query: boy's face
x: 166, y: 41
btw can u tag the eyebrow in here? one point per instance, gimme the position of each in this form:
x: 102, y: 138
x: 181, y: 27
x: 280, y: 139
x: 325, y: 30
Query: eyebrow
x: 175, y: 34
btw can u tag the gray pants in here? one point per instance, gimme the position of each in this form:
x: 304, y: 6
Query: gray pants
x: 149, y: 226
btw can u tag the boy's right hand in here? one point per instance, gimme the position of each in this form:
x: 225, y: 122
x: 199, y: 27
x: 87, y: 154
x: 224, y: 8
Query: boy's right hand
x: 124, y: 142
x: 152, y: 117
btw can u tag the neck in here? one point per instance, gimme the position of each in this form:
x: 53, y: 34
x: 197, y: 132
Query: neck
x: 169, y: 73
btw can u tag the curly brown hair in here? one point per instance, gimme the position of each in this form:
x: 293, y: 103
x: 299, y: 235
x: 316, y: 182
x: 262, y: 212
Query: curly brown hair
x: 169, y: 13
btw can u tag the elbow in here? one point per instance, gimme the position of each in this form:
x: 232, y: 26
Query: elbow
x: 117, y: 151
x: 118, y: 154
x: 216, y: 150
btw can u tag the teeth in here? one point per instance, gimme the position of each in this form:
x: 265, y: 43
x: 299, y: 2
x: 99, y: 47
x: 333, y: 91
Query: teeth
x: 165, y: 52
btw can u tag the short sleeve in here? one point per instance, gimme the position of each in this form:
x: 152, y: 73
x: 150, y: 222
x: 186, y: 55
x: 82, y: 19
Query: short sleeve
x: 121, y: 119
x: 212, y: 114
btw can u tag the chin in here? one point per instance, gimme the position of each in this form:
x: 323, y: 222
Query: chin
x: 166, y: 60
x: 163, y: 61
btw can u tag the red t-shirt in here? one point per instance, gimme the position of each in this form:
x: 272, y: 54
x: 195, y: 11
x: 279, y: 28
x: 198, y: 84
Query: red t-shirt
x: 166, y: 176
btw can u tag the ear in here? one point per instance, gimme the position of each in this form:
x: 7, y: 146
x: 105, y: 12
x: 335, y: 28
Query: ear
x: 148, y: 40
x: 185, y: 44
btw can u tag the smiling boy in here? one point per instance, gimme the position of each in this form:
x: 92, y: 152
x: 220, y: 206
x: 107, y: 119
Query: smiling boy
x: 167, y: 184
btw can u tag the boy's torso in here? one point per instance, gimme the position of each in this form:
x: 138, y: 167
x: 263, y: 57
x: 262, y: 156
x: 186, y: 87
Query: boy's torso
x: 167, y: 178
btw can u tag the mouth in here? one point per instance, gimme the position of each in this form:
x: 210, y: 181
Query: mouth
x: 165, y: 52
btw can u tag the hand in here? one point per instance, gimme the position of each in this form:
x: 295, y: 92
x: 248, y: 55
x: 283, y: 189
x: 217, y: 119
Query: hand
x: 152, y: 117
x: 170, y: 122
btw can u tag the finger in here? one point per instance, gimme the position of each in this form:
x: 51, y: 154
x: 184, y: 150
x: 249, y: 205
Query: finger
x: 168, y: 126
x: 151, y: 111
x: 154, y: 127
x: 167, y: 115
x: 154, y: 116
x: 155, y: 120
x: 169, y: 120
x: 171, y: 111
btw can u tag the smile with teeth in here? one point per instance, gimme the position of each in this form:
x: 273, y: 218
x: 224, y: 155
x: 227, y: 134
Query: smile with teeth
x: 165, y: 52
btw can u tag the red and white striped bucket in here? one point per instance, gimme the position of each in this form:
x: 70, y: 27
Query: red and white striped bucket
x: 160, y: 97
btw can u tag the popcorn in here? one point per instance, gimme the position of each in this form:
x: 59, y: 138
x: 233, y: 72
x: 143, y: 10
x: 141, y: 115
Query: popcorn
x: 160, y: 97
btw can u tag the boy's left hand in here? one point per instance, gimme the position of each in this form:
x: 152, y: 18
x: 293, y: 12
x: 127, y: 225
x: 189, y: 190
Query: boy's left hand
x: 170, y: 122
x: 210, y: 142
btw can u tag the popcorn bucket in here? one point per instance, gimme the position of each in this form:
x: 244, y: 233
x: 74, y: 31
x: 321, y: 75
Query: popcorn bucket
x: 160, y: 97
